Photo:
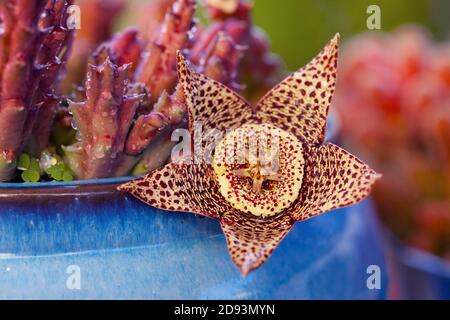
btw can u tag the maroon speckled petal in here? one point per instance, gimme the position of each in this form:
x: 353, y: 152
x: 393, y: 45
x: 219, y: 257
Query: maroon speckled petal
x: 301, y: 102
x: 180, y: 187
x: 251, y: 241
x: 333, y: 179
x: 210, y: 102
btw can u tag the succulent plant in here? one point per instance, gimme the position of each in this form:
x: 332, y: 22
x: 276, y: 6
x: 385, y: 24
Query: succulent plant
x: 97, y: 20
x: 104, y: 119
x: 51, y: 63
x: 150, y: 15
x: 33, y: 51
x: 261, y: 69
x: 158, y: 70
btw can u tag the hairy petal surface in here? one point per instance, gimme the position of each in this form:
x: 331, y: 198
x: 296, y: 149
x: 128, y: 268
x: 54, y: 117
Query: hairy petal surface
x: 300, y: 103
x: 251, y: 241
x: 180, y: 187
x: 333, y: 179
x: 210, y: 102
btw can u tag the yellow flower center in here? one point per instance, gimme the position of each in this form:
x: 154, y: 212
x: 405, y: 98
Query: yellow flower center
x: 259, y: 169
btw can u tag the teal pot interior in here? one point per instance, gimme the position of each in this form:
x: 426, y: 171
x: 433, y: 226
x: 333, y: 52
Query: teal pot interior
x: 85, y: 240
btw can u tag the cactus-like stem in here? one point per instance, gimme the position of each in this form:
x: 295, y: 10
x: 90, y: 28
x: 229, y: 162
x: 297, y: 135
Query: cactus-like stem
x: 51, y: 61
x: 32, y: 51
x: 147, y: 127
x: 158, y: 70
x: 260, y: 67
x: 127, y: 48
x: 151, y: 16
x: 156, y: 156
x: 97, y: 20
x: 103, y: 120
x: 18, y: 44
x: 220, y: 58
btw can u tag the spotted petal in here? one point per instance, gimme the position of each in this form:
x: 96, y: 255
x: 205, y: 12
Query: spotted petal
x: 210, y: 102
x: 333, y: 179
x: 180, y: 187
x: 251, y: 241
x: 301, y: 102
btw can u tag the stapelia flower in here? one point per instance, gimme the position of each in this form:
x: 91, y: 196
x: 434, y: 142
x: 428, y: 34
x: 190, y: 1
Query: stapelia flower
x: 258, y: 202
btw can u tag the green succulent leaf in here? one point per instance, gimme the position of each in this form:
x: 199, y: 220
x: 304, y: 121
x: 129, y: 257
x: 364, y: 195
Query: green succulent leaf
x: 34, y: 165
x: 67, y: 176
x: 30, y: 167
x: 24, y: 162
x: 31, y: 176
x: 60, y: 172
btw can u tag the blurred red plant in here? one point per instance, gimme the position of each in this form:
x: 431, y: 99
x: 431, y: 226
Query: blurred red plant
x: 393, y: 99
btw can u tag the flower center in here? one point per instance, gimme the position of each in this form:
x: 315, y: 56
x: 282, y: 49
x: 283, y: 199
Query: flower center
x: 259, y: 169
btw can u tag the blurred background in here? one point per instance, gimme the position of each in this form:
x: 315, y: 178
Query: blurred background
x: 392, y: 107
x: 298, y: 29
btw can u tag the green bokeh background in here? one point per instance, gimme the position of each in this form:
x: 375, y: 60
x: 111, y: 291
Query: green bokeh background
x: 299, y: 28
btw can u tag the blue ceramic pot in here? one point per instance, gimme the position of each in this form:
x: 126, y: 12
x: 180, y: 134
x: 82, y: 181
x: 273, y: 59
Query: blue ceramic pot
x: 85, y: 240
x: 416, y: 274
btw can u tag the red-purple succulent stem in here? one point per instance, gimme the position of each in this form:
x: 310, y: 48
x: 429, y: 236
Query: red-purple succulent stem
x: 50, y: 69
x: 103, y: 120
x: 260, y: 67
x: 158, y: 70
x: 127, y: 47
x: 97, y: 21
x: 151, y: 15
x: 29, y: 65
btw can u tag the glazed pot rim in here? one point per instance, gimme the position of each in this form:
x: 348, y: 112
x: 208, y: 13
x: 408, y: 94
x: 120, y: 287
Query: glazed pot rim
x: 78, y: 187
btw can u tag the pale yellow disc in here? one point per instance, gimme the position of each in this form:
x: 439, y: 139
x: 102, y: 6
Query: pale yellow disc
x: 259, y: 169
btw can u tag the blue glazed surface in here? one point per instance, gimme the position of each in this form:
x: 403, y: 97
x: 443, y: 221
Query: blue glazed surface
x: 420, y: 275
x: 127, y: 250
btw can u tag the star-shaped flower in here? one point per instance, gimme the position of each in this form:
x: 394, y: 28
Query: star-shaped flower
x: 258, y: 202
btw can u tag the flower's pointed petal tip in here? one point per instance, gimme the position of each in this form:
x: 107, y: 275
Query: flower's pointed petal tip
x: 336, y: 39
x: 245, y: 270
x: 182, y: 63
x: 301, y: 102
x: 251, y: 242
x: 374, y: 175
x: 126, y: 187
x: 184, y: 70
x: 180, y: 57
x: 248, y: 266
x: 332, y: 46
x: 377, y: 176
